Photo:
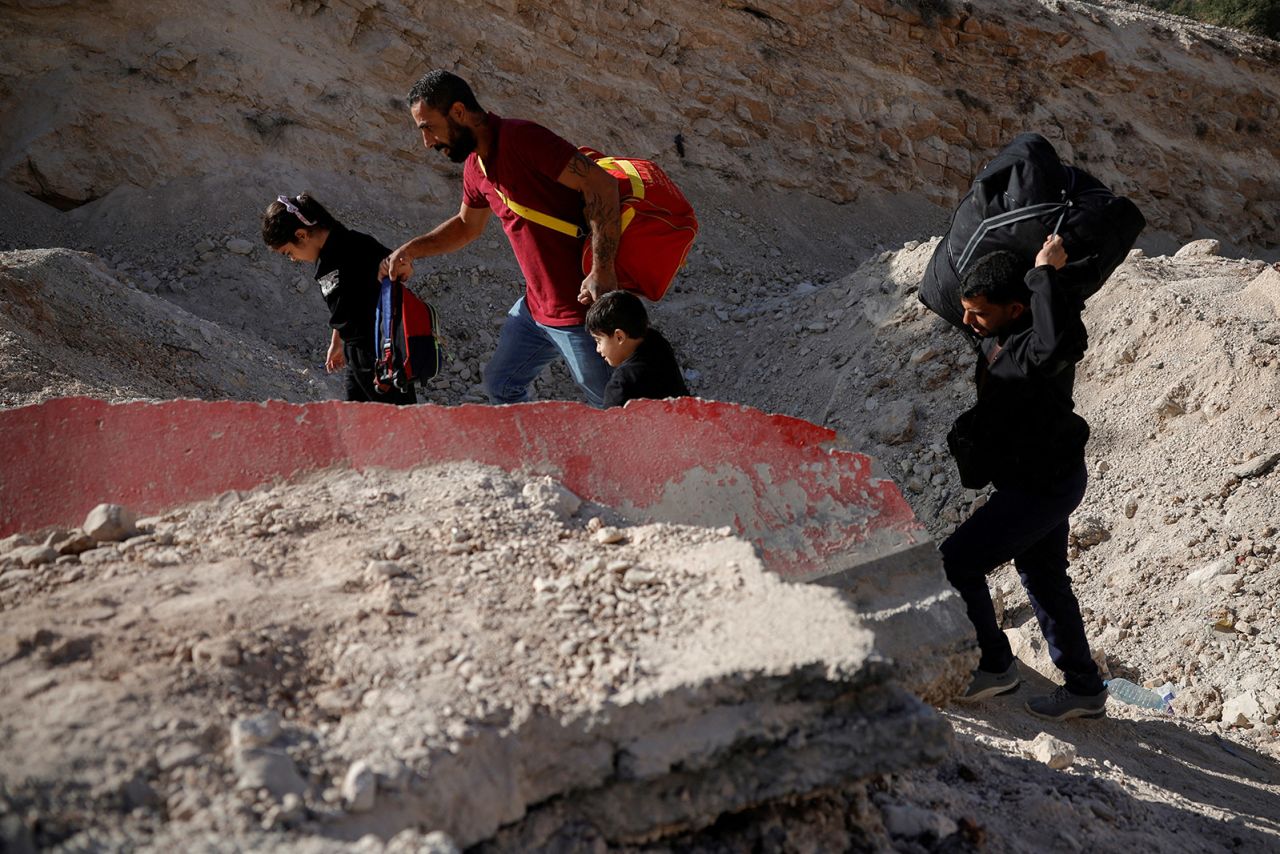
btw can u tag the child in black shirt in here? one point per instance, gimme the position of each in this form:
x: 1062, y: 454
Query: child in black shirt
x: 347, y: 269
x: 643, y: 362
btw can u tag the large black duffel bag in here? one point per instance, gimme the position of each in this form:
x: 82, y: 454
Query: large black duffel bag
x: 1022, y: 196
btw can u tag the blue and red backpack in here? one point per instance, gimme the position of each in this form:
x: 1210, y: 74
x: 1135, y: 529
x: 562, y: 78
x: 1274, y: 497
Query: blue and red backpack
x: 407, y: 335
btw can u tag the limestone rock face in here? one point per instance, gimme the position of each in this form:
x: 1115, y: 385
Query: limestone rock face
x: 815, y: 96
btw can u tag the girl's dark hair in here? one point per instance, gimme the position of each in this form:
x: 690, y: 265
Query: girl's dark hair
x: 279, y: 225
x: 618, y: 310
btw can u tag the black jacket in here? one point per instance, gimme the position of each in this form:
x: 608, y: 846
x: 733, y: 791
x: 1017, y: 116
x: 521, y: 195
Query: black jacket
x: 651, y: 372
x: 347, y: 271
x: 1024, y: 429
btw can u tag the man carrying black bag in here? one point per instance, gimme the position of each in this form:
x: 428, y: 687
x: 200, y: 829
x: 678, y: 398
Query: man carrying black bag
x: 1024, y: 437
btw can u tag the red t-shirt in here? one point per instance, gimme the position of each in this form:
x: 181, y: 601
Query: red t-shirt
x: 526, y: 161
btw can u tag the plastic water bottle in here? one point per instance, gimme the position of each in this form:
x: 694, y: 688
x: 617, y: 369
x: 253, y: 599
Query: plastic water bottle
x: 1135, y: 695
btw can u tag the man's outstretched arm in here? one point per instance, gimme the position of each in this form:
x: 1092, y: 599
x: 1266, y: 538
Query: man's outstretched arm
x: 449, y: 236
x: 600, y: 206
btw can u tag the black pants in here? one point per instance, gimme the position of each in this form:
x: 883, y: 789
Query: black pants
x: 1030, y: 528
x: 360, y: 363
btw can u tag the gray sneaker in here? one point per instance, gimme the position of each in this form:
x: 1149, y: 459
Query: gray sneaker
x: 985, y: 684
x: 1062, y: 704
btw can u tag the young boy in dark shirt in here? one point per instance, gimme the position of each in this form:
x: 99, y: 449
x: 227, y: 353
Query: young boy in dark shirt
x: 643, y: 362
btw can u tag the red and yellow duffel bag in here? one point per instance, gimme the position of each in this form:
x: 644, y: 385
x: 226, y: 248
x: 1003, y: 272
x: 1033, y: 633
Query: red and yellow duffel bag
x: 657, y: 225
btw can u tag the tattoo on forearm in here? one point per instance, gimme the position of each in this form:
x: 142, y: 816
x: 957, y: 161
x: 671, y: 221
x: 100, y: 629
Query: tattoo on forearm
x: 603, y: 248
x: 580, y: 165
x: 603, y: 219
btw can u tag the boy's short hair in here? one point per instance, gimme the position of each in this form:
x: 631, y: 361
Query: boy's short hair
x: 999, y: 276
x: 618, y: 310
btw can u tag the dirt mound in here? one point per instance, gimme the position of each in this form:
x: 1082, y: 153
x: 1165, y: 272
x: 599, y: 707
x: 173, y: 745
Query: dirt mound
x: 447, y: 648
x: 73, y: 326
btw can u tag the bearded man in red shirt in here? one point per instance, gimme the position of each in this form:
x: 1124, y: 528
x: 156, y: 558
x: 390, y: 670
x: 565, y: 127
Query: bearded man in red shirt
x: 515, y: 163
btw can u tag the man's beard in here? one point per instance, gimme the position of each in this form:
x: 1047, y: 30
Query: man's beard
x: 462, y: 141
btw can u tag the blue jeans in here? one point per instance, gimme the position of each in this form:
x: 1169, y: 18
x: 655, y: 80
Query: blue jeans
x: 526, y: 346
x: 1030, y: 528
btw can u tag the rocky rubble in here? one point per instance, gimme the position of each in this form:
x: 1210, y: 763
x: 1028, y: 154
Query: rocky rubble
x: 448, y: 648
x: 1174, y: 547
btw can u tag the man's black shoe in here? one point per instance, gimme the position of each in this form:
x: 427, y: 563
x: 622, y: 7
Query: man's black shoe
x: 1062, y: 705
x: 985, y: 684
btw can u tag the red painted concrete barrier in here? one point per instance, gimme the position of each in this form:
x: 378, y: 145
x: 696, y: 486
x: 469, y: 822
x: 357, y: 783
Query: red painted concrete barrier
x: 778, y: 481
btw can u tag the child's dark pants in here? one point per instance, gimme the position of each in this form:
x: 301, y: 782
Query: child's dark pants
x: 360, y: 387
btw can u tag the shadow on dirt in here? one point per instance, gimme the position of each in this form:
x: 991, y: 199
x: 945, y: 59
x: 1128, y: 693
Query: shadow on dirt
x: 1205, y: 771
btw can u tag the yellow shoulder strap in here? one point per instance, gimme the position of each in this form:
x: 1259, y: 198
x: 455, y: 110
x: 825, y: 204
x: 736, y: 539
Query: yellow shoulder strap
x: 532, y: 215
x: 633, y: 174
